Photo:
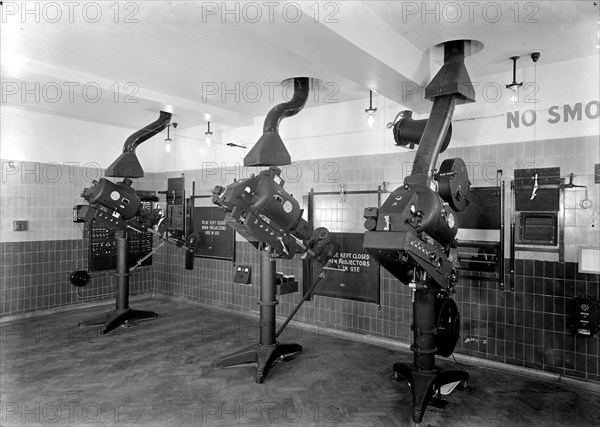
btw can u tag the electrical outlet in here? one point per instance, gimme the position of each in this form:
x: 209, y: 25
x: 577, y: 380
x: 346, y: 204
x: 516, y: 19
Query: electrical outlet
x: 20, y: 225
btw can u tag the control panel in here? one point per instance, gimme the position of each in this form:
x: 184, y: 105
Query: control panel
x: 425, y: 251
x: 430, y: 257
x: 102, y: 251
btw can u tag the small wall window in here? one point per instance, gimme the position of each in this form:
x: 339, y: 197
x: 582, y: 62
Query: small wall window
x: 538, y: 228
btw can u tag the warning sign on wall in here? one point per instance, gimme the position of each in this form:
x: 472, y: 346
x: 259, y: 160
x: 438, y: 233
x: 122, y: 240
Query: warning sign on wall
x: 360, y: 278
x: 217, y: 240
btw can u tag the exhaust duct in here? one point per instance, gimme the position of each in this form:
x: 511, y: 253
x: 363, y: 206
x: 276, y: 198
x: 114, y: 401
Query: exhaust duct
x: 270, y: 149
x: 127, y: 164
x: 450, y: 86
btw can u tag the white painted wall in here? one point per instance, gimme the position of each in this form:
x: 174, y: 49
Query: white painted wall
x: 28, y: 135
x: 338, y: 130
x: 327, y: 131
x: 554, y: 85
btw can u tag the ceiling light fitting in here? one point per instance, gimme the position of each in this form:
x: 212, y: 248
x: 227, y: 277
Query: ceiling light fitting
x: 168, y: 140
x: 208, y: 134
x: 514, y: 86
x: 370, y: 111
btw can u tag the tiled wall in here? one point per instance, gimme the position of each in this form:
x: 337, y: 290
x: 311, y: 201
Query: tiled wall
x: 528, y: 327
x: 35, y: 276
x: 35, y: 265
x: 44, y: 195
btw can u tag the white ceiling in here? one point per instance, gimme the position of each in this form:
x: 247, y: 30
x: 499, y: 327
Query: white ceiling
x: 177, y: 54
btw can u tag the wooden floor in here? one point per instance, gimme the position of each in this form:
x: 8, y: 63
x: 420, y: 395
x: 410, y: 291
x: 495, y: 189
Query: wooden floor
x: 159, y: 373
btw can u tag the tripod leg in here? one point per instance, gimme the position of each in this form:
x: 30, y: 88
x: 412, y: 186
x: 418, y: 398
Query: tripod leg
x: 245, y: 355
x: 94, y: 321
x: 268, y: 355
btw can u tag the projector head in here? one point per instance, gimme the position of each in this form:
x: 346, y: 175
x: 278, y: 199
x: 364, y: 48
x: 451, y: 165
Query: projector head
x: 260, y: 210
x: 116, y: 205
x: 120, y: 198
x: 416, y: 226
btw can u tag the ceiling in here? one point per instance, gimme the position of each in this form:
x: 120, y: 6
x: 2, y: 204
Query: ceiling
x: 223, y: 61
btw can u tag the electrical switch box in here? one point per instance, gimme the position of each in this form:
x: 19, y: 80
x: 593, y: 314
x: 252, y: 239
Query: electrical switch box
x: 243, y: 274
x: 20, y: 225
x: 584, y: 315
x: 285, y: 284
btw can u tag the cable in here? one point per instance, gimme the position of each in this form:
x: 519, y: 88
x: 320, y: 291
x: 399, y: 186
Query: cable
x: 535, y: 101
x: 478, y: 118
x: 304, y: 298
x: 93, y: 297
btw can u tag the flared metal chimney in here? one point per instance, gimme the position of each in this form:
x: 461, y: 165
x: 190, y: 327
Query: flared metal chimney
x: 127, y: 164
x: 453, y: 78
x: 270, y: 149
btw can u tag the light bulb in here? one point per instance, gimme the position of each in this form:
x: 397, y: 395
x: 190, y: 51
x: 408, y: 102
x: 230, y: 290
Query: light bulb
x: 370, y: 118
x: 208, y: 140
x: 167, y: 145
x: 514, y: 98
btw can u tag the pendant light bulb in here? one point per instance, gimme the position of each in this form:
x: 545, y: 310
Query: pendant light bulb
x: 168, y: 140
x: 370, y: 118
x: 370, y: 111
x: 514, y: 86
x: 514, y: 97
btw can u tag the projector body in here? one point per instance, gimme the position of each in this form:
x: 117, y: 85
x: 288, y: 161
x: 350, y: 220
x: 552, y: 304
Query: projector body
x: 416, y: 226
x: 118, y: 206
x: 260, y: 210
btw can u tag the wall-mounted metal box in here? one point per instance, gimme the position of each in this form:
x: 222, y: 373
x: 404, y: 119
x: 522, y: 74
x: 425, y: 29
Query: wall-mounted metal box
x: 584, y: 315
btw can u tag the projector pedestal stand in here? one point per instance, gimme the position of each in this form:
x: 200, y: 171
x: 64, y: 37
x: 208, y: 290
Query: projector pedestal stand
x: 423, y: 376
x: 266, y: 352
x: 122, y: 315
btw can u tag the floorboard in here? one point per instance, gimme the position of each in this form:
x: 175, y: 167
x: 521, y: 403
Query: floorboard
x: 160, y: 373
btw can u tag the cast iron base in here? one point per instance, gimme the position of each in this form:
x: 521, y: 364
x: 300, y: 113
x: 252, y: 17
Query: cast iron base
x: 263, y: 355
x: 116, y: 318
x: 424, y: 384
